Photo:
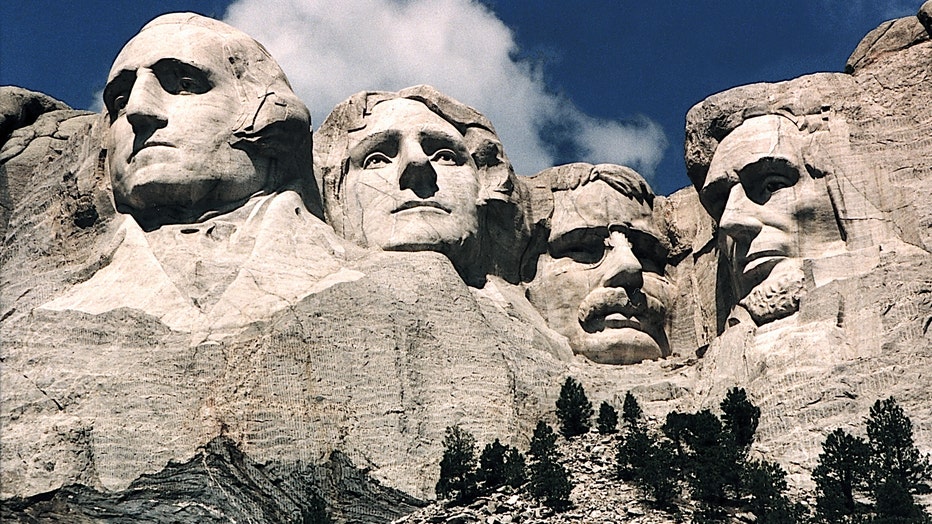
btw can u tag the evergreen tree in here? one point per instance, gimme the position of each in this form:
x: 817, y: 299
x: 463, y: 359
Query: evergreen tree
x: 740, y: 417
x: 457, y: 467
x: 896, y: 505
x: 608, y: 419
x: 707, y: 457
x: 491, y: 473
x: 630, y: 410
x: 765, y: 484
x: 650, y: 464
x: 316, y: 511
x: 633, y: 449
x: 897, y: 469
x: 648, y: 461
x: 573, y: 409
x: 543, y: 442
x: 548, y: 480
x: 515, y: 470
x: 840, y: 475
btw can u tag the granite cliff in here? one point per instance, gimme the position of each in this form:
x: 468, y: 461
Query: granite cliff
x: 244, y: 363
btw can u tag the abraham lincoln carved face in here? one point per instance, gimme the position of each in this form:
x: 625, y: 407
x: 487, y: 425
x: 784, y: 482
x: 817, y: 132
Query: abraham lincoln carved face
x: 774, y: 211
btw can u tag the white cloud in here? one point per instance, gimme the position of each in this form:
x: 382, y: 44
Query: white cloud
x: 98, y: 104
x: 330, y: 50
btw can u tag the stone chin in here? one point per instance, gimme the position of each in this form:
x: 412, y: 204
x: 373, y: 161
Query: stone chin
x: 617, y: 346
x: 778, y: 295
x: 420, y: 233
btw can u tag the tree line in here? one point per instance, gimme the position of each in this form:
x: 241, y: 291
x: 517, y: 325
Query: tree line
x: 702, y: 460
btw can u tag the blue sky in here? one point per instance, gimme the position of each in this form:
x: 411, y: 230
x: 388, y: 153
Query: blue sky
x: 588, y: 80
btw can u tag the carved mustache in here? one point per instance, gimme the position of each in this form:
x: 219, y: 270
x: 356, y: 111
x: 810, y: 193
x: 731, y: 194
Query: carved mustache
x: 604, y: 301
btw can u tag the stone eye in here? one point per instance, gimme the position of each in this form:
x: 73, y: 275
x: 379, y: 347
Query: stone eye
x: 119, y: 102
x: 583, y: 249
x: 376, y: 160
x: 774, y: 183
x: 445, y: 157
x: 187, y: 85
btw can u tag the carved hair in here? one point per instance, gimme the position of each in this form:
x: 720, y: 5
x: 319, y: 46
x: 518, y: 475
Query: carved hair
x: 805, y: 101
x: 621, y: 178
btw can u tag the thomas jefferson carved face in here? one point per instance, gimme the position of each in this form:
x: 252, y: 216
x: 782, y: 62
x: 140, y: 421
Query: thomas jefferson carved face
x: 601, y: 281
x: 411, y: 183
x: 774, y: 212
x: 173, y: 103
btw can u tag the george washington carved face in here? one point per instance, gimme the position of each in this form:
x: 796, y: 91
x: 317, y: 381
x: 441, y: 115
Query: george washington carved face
x: 187, y: 98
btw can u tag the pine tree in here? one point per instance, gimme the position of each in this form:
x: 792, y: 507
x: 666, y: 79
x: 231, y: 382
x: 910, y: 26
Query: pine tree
x: 515, y: 470
x: 630, y: 410
x: 549, y: 481
x: 543, y: 442
x: 648, y: 461
x: 894, y: 504
x: 840, y: 476
x: 897, y: 469
x: 491, y: 473
x: 650, y: 464
x: 765, y: 484
x: 457, y: 467
x: 740, y: 417
x: 633, y: 449
x: 706, y: 457
x: 573, y: 409
x: 608, y: 419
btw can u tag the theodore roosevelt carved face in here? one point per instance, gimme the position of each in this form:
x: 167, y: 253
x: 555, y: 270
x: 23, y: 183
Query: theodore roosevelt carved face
x: 601, y: 282
x: 775, y: 212
x: 192, y: 103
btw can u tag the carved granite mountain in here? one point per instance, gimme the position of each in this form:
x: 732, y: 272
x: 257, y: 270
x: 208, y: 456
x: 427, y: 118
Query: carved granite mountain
x: 312, y: 366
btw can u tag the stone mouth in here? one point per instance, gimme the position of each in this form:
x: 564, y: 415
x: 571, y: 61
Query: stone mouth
x: 612, y: 308
x: 757, y: 266
x: 150, y: 144
x: 416, y: 204
x: 621, y: 321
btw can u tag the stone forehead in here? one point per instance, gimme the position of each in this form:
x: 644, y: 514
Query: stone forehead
x: 597, y: 205
x: 773, y: 135
x: 569, y: 177
x: 401, y: 112
x: 710, y: 121
x: 600, y: 196
x: 245, y: 58
x: 196, y: 20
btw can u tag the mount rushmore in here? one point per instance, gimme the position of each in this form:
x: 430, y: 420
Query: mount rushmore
x: 192, y: 266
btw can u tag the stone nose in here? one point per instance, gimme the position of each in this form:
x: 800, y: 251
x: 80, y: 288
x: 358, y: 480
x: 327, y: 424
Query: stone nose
x: 417, y: 173
x: 145, y: 109
x: 620, y: 267
x: 740, y: 219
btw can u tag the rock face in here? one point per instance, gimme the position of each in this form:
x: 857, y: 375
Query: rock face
x: 231, y: 351
x: 818, y: 186
x: 32, y: 127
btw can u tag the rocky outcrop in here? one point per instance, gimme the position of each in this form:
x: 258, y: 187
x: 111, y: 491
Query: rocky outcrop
x: 221, y: 484
x: 301, y: 365
x: 33, y: 127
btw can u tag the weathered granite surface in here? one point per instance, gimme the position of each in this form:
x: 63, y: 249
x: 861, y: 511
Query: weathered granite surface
x: 245, y: 359
x: 33, y: 126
